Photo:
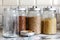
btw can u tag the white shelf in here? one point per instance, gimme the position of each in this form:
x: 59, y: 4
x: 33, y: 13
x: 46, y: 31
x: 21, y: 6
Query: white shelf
x: 35, y: 37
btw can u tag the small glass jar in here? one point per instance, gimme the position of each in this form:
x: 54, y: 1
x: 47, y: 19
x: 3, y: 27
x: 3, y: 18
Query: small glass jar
x: 22, y: 19
x: 48, y: 21
x: 34, y: 20
x: 10, y: 22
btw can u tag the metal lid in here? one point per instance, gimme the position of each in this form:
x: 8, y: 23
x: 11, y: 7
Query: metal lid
x: 53, y: 9
x: 10, y: 9
x: 49, y: 9
x: 22, y: 9
x: 7, y: 9
x: 37, y: 9
x: 34, y: 9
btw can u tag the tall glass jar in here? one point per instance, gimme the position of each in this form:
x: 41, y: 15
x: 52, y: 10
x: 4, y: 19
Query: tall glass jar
x: 10, y: 22
x: 48, y: 21
x: 34, y: 20
x: 22, y: 19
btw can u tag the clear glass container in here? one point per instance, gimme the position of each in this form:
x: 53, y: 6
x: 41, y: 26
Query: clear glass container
x: 22, y: 19
x: 48, y: 21
x: 34, y: 20
x: 10, y: 22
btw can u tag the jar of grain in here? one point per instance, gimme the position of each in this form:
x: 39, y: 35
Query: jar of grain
x: 22, y: 19
x: 34, y: 20
x: 48, y: 21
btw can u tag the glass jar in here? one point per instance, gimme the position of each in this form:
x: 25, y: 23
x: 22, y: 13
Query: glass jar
x: 48, y: 21
x: 34, y: 20
x: 10, y: 22
x: 22, y: 19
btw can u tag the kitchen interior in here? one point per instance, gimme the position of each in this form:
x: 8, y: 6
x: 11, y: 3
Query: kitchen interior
x: 29, y: 19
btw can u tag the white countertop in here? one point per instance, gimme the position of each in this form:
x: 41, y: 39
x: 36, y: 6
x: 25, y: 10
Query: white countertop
x: 36, y: 37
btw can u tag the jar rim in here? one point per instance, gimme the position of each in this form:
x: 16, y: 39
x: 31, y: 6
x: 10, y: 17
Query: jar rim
x: 49, y: 9
x: 22, y: 9
x: 34, y: 9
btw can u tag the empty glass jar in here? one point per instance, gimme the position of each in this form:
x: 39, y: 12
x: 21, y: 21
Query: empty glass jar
x: 10, y: 22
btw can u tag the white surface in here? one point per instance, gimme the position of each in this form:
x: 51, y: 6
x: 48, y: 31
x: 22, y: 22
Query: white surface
x: 56, y: 2
x: 27, y: 2
x: 10, y: 2
x: 44, y: 2
x: 29, y: 38
x: 0, y: 2
x: 36, y: 37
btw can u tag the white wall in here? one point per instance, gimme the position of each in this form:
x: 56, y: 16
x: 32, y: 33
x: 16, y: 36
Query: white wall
x: 26, y: 3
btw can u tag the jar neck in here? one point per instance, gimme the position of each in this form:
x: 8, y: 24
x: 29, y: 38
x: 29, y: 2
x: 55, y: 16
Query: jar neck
x: 48, y: 14
x: 22, y: 13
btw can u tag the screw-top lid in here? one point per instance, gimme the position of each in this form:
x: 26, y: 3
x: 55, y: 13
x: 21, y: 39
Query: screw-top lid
x: 22, y: 9
x: 49, y: 9
x: 7, y: 9
x: 34, y: 9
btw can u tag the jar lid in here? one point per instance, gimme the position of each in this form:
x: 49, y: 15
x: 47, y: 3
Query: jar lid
x: 53, y: 9
x: 26, y: 33
x: 49, y: 9
x: 22, y: 9
x: 7, y: 9
x: 34, y: 9
x: 37, y: 9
